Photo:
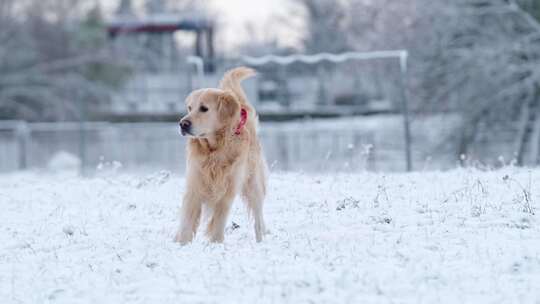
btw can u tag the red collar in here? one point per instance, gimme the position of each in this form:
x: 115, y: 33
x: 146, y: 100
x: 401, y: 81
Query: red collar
x: 242, y: 123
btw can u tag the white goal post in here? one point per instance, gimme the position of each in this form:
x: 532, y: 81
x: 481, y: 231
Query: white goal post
x: 400, y: 55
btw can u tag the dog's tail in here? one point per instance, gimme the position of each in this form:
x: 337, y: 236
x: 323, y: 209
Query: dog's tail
x: 232, y: 79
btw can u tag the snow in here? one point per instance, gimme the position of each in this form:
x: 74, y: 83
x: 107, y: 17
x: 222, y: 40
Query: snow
x: 63, y: 161
x: 462, y: 236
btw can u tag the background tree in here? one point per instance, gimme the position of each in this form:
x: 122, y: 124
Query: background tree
x: 532, y: 7
x: 480, y: 59
x: 53, y: 58
x: 474, y: 58
x: 325, y: 25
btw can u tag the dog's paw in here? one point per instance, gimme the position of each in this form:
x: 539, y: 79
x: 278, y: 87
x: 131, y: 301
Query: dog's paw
x: 216, y: 238
x: 183, y: 238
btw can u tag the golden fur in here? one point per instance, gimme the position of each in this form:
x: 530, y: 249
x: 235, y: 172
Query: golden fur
x: 220, y: 163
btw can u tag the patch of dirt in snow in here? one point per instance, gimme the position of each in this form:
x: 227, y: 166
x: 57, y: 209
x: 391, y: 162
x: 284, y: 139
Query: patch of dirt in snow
x: 462, y: 236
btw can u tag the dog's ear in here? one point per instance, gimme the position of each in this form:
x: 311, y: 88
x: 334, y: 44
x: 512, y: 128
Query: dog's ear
x: 228, y: 106
x: 191, y: 96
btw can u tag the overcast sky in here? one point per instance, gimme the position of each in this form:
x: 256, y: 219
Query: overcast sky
x: 264, y: 16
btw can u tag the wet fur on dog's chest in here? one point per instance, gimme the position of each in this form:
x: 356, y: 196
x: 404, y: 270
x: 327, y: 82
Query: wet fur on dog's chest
x: 216, y: 171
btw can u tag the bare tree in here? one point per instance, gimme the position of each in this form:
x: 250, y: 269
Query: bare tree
x: 480, y: 59
x: 53, y: 59
x: 378, y: 25
x: 172, y: 6
x: 325, y: 29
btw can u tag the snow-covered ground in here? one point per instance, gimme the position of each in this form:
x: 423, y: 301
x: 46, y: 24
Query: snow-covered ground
x: 462, y: 236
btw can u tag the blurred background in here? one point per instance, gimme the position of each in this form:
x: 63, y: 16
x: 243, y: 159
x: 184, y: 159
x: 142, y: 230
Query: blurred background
x: 343, y: 85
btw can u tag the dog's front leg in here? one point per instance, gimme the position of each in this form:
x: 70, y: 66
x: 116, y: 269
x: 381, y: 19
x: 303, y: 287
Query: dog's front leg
x: 190, y: 217
x: 216, y: 226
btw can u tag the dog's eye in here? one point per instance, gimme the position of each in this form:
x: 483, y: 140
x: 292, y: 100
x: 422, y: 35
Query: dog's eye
x: 189, y: 108
x: 203, y: 109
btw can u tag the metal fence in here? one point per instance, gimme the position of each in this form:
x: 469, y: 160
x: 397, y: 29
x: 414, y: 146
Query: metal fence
x: 305, y: 146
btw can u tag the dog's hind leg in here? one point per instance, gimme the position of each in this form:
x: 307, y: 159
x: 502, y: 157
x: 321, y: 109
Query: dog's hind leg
x: 190, y: 217
x: 253, y: 193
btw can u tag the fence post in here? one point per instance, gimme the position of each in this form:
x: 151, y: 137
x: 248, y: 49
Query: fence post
x: 283, y: 146
x: 405, y: 108
x: 371, y: 153
x: 82, y: 133
x: 22, y: 133
x: 322, y: 96
x: 284, y: 89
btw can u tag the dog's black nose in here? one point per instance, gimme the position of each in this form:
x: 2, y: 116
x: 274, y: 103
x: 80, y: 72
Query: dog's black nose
x: 185, y: 125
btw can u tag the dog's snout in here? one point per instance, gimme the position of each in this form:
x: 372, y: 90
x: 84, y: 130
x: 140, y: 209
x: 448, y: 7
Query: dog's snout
x: 185, y: 124
x: 185, y: 127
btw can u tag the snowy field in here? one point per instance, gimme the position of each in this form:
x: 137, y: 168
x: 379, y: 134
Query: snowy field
x: 462, y: 236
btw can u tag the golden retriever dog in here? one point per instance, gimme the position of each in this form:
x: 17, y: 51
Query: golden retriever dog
x: 224, y: 158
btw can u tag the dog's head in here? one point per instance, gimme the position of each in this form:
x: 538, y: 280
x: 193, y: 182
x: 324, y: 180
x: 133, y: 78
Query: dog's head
x: 209, y: 111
